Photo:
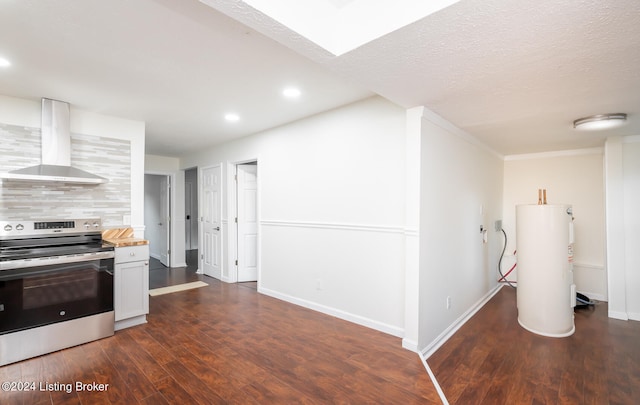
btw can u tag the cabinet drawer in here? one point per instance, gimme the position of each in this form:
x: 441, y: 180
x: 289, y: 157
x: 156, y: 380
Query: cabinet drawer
x: 132, y: 253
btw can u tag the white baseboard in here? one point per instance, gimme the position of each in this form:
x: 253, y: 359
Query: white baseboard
x: 369, y: 323
x: 634, y: 316
x: 457, y: 324
x: 623, y: 316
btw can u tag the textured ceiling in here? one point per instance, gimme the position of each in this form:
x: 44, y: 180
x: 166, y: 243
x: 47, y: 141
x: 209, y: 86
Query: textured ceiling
x: 513, y: 74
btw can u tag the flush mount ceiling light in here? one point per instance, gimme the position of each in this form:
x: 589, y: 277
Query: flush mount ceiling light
x: 603, y: 121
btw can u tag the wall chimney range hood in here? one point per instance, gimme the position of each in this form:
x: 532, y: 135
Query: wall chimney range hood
x: 56, y: 151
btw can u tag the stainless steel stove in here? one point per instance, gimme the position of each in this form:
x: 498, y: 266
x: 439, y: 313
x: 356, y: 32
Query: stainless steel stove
x: 56, y: 286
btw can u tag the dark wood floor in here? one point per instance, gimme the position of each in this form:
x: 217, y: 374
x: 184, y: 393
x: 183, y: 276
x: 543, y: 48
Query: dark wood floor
x: 492, y: 360
x: 225, y: 343
x: 162, y: 276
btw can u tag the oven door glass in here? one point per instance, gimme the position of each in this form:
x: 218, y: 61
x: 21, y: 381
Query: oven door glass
x: 44, y: 295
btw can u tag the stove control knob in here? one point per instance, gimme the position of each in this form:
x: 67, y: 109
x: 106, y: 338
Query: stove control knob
x: 19, y: 227
x: 87, y: 225
x: 8, y: 227
x: 96, y: 225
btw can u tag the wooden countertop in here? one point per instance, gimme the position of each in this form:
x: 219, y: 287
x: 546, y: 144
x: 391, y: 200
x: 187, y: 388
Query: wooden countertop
x: 120, y: 237
x: 126, y: 242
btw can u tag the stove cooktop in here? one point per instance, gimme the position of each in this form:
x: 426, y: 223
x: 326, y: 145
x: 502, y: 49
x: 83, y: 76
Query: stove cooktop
x: 29, y: 228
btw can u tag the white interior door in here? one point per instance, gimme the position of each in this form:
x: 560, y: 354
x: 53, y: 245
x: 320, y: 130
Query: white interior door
x: 210, y: 220
x: 247, y: 199
x: 165, y: 219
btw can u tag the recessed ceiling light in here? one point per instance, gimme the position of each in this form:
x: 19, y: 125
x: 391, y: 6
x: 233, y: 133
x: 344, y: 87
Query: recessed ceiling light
x: 291, y: 92
x: 231, y: 117
x: 4, y: 62
x: 603, y: 121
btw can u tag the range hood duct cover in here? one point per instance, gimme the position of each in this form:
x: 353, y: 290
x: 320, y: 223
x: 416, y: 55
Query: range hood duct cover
x: 56, y: 150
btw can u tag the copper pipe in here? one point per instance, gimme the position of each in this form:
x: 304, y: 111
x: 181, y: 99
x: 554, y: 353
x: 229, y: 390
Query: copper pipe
x: 544, y: 196
x: 539, y: 196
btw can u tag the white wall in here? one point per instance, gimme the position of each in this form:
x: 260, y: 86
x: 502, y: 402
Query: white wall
x: 332, y: 195
x: 461, y: 189
x: 161, y: 164
x: 570, y: 177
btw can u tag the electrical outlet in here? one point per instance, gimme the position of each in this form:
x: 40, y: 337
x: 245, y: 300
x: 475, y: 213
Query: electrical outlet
x: 498, y: 225
x: 448, y: 302
x: 319, y: 284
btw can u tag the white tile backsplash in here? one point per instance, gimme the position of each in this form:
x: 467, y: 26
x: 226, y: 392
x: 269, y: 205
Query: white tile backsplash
x: 106, y: 157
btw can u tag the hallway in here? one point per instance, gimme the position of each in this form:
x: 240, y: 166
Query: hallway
x: 161, y: 276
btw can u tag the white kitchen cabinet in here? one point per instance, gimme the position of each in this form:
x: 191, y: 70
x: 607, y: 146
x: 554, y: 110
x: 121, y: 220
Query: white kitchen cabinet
x: 131, y: 285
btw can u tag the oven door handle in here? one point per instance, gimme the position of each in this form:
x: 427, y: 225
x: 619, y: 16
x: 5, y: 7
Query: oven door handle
x: 45, y: 261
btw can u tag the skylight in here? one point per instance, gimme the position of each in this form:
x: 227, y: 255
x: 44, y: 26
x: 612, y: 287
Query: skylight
x: 341, y: 26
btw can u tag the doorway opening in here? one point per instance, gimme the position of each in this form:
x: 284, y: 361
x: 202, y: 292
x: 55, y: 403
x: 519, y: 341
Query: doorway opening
x: 191, y: 217
x: 157, y: 208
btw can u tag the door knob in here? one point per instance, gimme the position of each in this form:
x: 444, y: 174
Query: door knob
x: 217, y: 228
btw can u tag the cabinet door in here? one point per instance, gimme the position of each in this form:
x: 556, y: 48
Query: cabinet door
x: 131, y: 289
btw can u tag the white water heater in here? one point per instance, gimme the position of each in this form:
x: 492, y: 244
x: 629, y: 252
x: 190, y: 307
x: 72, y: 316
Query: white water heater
x: 546, y: 294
